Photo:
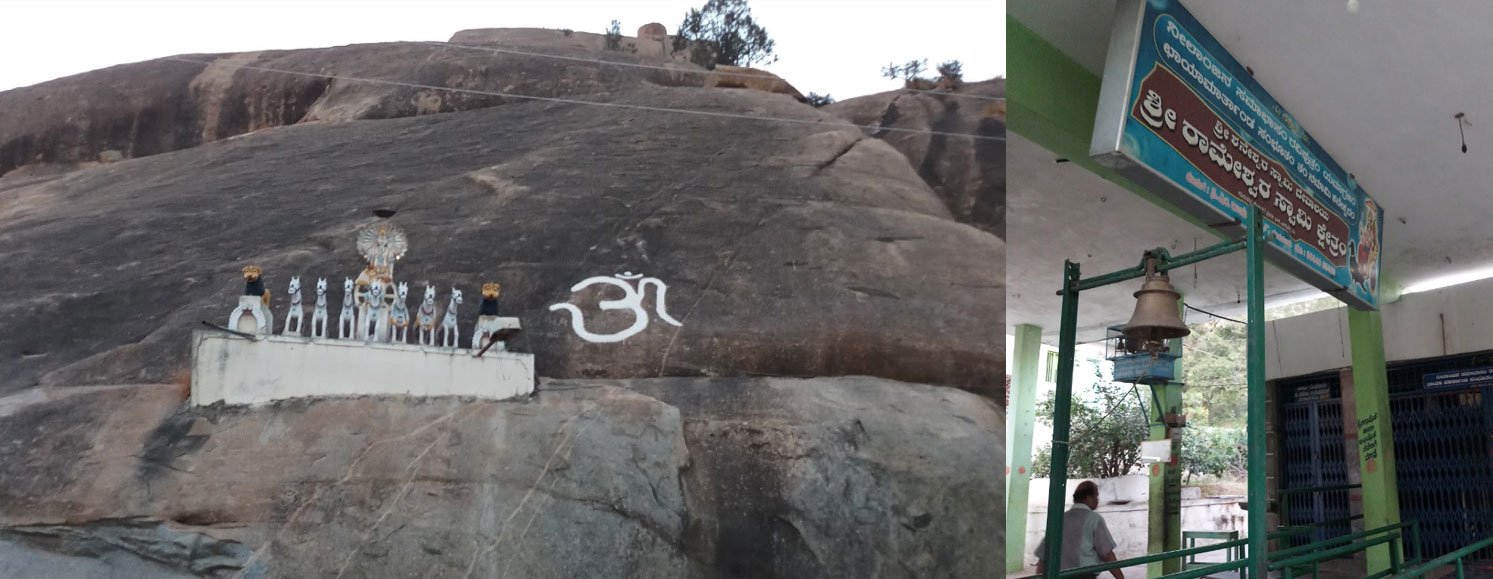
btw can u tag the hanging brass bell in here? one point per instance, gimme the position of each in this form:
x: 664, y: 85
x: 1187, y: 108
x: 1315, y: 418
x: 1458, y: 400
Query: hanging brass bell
x: 1157, y: 317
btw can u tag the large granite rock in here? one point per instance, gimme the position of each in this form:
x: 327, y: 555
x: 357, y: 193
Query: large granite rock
x: 788, y: 249
x: 673, y: 477
x: 826, y: 406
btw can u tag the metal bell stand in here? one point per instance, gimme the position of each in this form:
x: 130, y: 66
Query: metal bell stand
x: 1253, y: 564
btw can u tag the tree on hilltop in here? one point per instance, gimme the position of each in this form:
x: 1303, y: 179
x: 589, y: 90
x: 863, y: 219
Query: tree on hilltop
x: 723, y: 32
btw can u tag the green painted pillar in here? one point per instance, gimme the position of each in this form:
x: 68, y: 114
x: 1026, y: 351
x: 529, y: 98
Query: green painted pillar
x: 1376, y: 460
x: 1021, y: 413
x: 1172, y: 534
x: 1164, y: 525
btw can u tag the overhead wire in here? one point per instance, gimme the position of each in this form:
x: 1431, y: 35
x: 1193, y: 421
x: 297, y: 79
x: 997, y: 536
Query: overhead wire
x: 1202, y: 351
x: 672, y: 69
x: 1203, y: 311
x: 579, y: 102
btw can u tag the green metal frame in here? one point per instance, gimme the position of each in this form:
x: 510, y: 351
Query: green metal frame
x: 1190, y: 539
x: 1073, y: 283
x: 1256, y: 559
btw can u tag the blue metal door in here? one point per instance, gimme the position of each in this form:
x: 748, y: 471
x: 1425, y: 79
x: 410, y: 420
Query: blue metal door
x: 1444, y: 466
x: 1313, y: 455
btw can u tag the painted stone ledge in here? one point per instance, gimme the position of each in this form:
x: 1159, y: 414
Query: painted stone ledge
x: 239, y: 371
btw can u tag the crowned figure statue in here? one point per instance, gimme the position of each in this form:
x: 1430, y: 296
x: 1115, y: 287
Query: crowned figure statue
x: 380, y: 244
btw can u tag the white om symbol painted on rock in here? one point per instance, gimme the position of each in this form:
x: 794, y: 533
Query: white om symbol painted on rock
x: 632, y: 299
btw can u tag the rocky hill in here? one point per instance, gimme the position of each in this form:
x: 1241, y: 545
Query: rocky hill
x: 826, y: 407
x: 968, y: 175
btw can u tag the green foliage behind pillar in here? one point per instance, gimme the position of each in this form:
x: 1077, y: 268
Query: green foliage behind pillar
x: 1108, y: 427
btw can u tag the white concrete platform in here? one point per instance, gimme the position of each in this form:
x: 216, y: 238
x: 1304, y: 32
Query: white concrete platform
x: 238, y: 371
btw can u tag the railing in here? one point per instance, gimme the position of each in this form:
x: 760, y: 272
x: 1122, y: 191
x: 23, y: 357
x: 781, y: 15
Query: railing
x: 1178, y: 554
x: 1290, y: 561
x: 1296, y: 530
x: 1288, y: 492
x: 1289, y: 565
x: 1190, y: 539
x: 1298, y: 559
x: 1453, y: 558
x: 1285, y: 504
x: 1413, y: 527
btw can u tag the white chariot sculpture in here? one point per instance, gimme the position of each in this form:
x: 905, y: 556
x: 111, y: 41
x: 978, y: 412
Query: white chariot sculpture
x: 375, y: 308
x: 371, y: 353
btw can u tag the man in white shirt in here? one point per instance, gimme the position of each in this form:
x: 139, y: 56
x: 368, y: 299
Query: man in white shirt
x: 1086, y: 539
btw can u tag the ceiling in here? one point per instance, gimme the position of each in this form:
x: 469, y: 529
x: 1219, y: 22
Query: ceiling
x: 1378, y: 89
x: 1070, y: 213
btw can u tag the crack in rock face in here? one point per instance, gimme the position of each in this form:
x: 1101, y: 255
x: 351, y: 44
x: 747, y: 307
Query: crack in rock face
x: 968, y: 175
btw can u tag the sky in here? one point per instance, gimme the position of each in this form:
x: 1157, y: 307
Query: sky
x: 834, y: 47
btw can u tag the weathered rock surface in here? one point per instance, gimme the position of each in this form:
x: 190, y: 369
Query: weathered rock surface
x: 805, y: 419
x: 788, y: 249
x: 968, y: 174
x: 726, y: 76
x: 157, y: 106
x: 652, y: 42
x: 674, y: 477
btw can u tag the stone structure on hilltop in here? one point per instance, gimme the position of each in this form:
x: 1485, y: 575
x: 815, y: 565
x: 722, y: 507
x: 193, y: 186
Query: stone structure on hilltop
x: 653, y: 39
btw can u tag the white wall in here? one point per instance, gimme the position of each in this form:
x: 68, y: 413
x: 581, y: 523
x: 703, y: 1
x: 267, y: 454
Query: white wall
x: 236, y: 371
x: 1444, y: 322
x: 1127, y: 522
x: 1083, y: 381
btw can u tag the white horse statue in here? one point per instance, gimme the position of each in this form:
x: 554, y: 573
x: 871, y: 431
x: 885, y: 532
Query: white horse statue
x: 297, y: 310
x: 449, y: 334
x: 349, y: 319
x: 399, y: 316
x: 425, y: 318
x: 374, y: 322
x: 319, y: 315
